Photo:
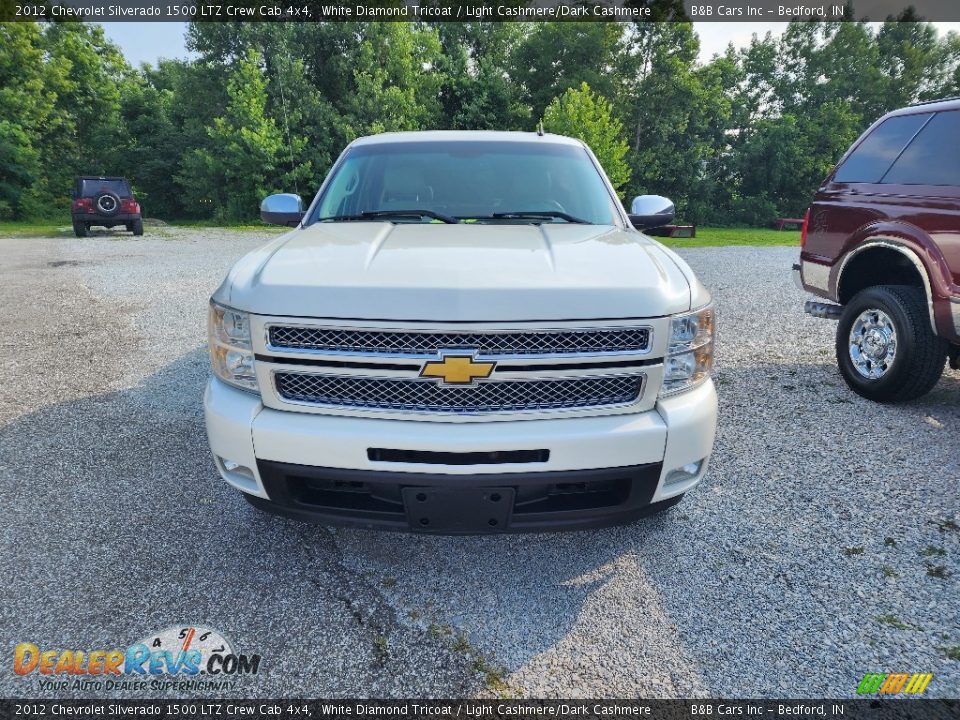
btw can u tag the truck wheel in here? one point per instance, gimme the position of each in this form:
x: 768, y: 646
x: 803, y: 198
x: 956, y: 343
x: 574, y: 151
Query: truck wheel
x: 136, y: 227
x: 80, y: 228
x: 886, y: 349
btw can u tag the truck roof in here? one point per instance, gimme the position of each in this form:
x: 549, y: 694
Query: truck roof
x: 464, y: 135
x: 951, y: 103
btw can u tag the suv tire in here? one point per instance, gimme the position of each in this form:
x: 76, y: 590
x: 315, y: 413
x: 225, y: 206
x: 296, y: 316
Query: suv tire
x: 136, y: 227
x: 80, y: 228
x: 886, y: 349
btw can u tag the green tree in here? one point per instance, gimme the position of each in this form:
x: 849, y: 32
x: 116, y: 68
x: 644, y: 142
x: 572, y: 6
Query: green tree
x: 395, y: 84
x: 87, y: 73
x: 914, y: 61
x: 246, y: 157
x: 151, y: 149
x: 678, y: 115
x: 585, y: 115
x: 25, y: 108
x: 557, y: 56
x: 477, y: 93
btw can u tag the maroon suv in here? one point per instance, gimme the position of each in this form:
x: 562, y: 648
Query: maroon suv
x: 882, y: 239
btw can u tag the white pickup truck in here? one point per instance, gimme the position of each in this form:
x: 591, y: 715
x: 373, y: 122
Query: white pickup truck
x: 464, y: 332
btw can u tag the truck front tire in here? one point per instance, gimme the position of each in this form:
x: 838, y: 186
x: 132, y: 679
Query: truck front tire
x: 886, y: 349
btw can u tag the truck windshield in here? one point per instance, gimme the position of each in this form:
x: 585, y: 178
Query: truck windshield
x: 470, y: 181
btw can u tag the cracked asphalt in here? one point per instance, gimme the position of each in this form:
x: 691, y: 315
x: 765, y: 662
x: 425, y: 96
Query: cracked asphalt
x: 823, y: 543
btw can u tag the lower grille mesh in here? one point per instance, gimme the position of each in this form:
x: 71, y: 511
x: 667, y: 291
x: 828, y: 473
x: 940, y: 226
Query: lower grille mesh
x: 429, y: 396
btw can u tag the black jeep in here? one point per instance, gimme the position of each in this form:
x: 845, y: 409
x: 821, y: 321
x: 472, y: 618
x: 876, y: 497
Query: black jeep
x: 105, y: 201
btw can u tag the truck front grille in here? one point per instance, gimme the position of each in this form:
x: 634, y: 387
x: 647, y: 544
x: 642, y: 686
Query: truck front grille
x: 360, y: 392
x: 426, y: 344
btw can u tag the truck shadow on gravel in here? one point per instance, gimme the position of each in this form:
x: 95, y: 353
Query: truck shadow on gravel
x: 688, y: 603
x: 118, y: 525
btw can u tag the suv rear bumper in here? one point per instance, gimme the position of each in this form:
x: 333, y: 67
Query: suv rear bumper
x: 106, y: 220
x: 597, y: 470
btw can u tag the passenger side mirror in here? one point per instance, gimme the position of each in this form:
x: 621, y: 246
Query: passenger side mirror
x: 650, y: 211
x: 282, y: 209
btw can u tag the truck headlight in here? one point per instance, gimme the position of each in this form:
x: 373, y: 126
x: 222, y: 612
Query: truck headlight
x: 231, y: 353
x: 690, y: 353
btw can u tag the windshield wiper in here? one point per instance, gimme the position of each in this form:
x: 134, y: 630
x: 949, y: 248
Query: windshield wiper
x: 533, y: 214
x: 374, y: 214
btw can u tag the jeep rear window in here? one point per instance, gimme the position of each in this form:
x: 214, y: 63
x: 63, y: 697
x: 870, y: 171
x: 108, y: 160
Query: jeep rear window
x: 469, y: 179
x: 872, y: 158
x: 933, y: 158
x: 90, y: 188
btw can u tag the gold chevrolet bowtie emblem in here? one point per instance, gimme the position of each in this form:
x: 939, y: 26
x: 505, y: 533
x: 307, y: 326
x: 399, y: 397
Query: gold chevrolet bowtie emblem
x: 457, y: 369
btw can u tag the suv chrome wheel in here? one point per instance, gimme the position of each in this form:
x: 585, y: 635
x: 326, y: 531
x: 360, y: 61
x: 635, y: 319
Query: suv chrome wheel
x: 873, y: 343
x: 886, y: 347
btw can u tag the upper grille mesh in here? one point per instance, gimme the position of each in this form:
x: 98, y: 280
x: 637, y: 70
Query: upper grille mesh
x: 428, y: 396
x: 554, y: 342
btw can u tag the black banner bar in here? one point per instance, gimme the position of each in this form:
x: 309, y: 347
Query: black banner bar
x: 471, y: 10
x: 875, y: 709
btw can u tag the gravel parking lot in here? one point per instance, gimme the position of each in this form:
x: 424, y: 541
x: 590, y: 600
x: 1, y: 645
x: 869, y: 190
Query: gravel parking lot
x: 823, y: 544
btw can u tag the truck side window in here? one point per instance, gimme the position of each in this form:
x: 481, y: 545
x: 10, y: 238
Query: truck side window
x: 873, y: 157
x: 933, y: 158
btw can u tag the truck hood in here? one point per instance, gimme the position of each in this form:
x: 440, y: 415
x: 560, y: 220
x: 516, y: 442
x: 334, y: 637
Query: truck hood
x: 467, y: 272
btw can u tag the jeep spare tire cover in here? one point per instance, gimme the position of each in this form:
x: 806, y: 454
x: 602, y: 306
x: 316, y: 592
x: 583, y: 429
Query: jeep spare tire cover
x: 107, y: 203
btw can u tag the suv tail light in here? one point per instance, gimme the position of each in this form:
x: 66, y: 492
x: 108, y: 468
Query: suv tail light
x: 803, y: 228
x: 129, y: 205
x: 82, y: 205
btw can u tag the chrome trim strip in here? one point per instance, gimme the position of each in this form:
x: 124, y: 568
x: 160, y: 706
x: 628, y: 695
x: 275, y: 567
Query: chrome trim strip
x: 815, y: 275
x: 910, y: 255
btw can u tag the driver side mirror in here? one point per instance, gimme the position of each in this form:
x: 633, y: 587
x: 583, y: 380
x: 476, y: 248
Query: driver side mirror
x: 650, y: 211
x: 282, y: 209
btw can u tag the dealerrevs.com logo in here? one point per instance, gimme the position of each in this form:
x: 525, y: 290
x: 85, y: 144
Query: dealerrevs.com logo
x: 179, y: 657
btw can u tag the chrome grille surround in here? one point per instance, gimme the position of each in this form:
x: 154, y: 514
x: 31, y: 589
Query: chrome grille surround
x: 417, y: 395
x: 426, y: 343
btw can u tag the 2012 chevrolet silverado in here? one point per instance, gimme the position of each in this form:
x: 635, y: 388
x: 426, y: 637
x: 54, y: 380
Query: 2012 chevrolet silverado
x: 464, y: 332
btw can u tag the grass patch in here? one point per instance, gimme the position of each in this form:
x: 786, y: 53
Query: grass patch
x: 946, y: 525
x: 63, y: 228
x: 851, y: 551
x: 718, y: 237
x: 889, y: 572
x: 952, y: 652
x: 938, y: 571
x: 381, y: 648
x: 238, y: 227
x: 494, y: 676
x: 36, y: 228
x: 889, y: 542
x: 440, y: 630
x: 932, y: 551
x: 894, y: 621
